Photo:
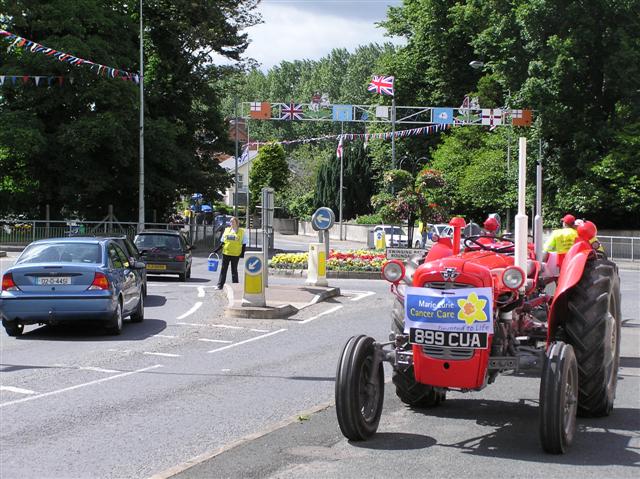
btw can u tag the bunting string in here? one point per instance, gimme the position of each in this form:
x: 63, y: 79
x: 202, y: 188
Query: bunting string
x: 423, y: 130
x: 102, y: 70
x: 37, y: 80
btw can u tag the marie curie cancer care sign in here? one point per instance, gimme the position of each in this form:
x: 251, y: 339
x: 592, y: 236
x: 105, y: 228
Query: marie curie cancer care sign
x: 450, y: 317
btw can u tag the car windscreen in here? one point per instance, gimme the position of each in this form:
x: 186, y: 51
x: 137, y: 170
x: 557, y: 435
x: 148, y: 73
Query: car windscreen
x: 394, y: 231
x: 61, y: 253
x: 160, y: 241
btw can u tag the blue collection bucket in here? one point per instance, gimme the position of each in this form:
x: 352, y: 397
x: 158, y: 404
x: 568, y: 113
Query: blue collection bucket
x: 213, y: 262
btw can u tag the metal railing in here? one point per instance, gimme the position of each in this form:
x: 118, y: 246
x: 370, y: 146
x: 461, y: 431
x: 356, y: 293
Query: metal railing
x: 621, y: 247
x: 23, y: 232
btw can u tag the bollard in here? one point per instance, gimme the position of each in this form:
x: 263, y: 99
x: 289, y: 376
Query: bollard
x: 380, y: 241
x: 317, y: 269
x: 253, y: 281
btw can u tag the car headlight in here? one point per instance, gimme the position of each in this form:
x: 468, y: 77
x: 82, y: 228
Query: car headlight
x: 393, y: 271
x: 513, y: 277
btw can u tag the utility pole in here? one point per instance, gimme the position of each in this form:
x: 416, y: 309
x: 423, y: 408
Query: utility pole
x: 141, y: 215
x: 235, y: 199
x: 341, y: 172
x: 393, y: 133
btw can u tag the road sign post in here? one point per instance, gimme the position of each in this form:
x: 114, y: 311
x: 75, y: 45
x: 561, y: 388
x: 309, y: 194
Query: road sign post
x: 254, y: 266
x: 267, y: 226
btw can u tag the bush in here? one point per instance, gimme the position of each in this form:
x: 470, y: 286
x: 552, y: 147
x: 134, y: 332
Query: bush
x: 358, y: 260
x: 372, y: 219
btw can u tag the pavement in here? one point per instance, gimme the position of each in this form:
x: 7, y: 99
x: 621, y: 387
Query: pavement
x: 282, y: 300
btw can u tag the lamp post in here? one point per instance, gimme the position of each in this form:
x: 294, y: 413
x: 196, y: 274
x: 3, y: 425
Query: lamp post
x: 235, y: 198
x: 141, y: 215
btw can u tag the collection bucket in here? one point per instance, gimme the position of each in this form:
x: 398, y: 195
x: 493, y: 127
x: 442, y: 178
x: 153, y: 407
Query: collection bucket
x: 213, y: 262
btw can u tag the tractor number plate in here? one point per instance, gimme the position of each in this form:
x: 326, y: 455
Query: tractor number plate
x: 448, y: 339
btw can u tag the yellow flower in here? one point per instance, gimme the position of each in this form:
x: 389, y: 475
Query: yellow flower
x: 471, y: 309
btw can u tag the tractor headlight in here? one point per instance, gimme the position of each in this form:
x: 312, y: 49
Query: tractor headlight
x: 513, y: 277
x: 393, y: 271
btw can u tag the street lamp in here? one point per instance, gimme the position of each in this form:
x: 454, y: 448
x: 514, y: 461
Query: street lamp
x: 141, y: 215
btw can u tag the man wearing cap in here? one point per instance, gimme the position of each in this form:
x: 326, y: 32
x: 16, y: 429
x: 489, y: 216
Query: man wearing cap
x: 562, y: 240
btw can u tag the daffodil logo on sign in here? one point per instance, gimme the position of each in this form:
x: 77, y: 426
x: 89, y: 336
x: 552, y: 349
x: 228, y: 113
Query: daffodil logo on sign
x: 472, y: 309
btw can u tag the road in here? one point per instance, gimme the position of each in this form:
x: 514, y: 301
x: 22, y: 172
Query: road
x: 491, y: 433
x: 77, y: 403
x: 253, y: 398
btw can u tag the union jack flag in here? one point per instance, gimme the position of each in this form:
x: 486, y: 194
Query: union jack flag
x: 381, y: 85
x: 291, y: 112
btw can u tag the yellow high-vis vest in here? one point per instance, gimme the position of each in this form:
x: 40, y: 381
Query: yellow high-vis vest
x: 561, y: 240
x: 232, y: 241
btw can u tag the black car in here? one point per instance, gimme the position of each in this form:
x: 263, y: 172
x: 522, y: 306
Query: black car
x: 165, y: 252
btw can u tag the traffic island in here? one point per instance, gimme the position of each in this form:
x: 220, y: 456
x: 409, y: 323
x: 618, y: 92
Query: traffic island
x: 282, y: 301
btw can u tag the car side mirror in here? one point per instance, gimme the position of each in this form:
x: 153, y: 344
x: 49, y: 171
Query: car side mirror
x: 139, y: 265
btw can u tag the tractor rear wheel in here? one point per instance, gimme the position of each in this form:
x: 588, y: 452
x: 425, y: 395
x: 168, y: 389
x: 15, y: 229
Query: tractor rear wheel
x: 408, y: 390
x: 558, y: 398
x: 592, y: 327
x: 359, y: 389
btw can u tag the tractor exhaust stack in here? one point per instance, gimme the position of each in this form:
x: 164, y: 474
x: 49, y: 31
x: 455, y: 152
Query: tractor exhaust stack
x: 521, y: 218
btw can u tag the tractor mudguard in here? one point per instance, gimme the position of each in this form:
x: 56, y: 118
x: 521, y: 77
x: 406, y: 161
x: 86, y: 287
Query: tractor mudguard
x: 570, y: 274
x: 441, y: 249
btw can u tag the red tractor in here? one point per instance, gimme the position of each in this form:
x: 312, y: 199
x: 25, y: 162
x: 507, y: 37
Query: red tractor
x: 475, y: 308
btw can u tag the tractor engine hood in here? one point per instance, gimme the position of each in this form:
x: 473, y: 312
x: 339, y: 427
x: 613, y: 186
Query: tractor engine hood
x: 468, y: 269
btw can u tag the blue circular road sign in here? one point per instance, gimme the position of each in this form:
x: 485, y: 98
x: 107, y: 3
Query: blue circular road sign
x: 323, y: 218
x: 253, y: 265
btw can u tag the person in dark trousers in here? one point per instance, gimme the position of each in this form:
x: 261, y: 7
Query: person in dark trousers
x: 233, y: 245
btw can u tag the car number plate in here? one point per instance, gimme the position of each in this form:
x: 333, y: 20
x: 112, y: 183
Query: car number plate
x: 448, y: 339
x: 158, y: 267
x: 53, y: 280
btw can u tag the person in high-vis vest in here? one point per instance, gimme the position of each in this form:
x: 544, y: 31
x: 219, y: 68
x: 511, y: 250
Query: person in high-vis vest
x: 234, y: 243
x: 562, y: 240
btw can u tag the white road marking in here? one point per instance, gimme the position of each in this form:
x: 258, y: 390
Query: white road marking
x: 328, y: 311
x: 98, y: 370
x: 196, y: 286
x: 119, y: 350
x: 225, y: 326
x: 247, y: 341
x: 359, y: 294
x: 11, y: 389
x: 200, y: 292
x: 78, y: 386
x: 191, y: 311
x: 225, y: 370
x: 214, y: 340
x: 166, y: 355
x: 165, y: 336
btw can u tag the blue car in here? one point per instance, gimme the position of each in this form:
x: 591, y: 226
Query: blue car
x: 70, y: 279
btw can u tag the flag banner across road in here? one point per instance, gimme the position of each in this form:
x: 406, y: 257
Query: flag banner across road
x: 33, y: 47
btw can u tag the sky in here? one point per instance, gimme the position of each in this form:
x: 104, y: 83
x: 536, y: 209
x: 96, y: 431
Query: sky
x: 310, y: 29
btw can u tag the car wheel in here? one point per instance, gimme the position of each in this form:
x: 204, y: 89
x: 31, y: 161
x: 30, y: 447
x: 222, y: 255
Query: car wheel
x: 14, y: 329
x: 138, y: 315
x: 182, y: 276
x: 116, y: 322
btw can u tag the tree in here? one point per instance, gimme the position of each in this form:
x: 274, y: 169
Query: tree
x: 75, y: 147
x: 357, y: 181
x: 268, y: 169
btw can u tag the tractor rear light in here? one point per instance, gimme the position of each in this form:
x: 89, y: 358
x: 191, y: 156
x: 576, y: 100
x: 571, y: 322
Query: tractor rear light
x: 513, y: 277
x: 8, y: 284
x: 180, y: 257
x: 100, y: 282
x: 393, y: 271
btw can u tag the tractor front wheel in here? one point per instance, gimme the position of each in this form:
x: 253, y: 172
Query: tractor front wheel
x: 558, y: 398
x: 408, y: 390
x: 592, y: 327
x: 359, y: 389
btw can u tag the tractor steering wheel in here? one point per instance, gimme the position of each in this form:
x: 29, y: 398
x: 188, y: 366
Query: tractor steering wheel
x: 472, y: 241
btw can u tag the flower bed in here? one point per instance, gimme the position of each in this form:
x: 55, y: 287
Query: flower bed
x: 357, y: 260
